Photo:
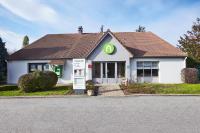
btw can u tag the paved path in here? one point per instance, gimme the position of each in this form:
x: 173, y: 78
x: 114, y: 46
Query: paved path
x: 110, y: 90
x: 138, y: 114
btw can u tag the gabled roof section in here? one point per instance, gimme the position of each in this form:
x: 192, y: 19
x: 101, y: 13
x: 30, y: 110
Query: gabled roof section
x: 108, y: 32
x: 58, y: 46
x: 65, y: 46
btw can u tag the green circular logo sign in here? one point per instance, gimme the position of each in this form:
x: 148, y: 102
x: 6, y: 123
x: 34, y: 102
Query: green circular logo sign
x: 109, y: 48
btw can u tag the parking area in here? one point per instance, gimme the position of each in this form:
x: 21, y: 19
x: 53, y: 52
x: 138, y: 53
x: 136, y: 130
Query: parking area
x: 139, y: 114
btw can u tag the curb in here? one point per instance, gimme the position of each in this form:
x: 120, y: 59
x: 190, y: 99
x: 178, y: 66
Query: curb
x: 85, y: 96
x: 30, y: 97
x: 162, y: 95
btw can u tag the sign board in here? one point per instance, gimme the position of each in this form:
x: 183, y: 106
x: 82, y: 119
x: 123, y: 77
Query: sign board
x: 79, y: 74
x: 109, y: 48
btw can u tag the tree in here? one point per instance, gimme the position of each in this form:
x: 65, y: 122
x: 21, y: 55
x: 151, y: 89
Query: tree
x: 3, y: 57
x: 140, y: 29
x: 25, y: 41
x: 190, y: 42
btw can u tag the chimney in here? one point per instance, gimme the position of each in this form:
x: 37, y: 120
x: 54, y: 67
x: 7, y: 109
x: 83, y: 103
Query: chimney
x: 80, y: 30
x: 102, y: 28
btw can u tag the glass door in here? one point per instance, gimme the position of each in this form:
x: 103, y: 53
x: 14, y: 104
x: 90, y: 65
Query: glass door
x: 110, y: 70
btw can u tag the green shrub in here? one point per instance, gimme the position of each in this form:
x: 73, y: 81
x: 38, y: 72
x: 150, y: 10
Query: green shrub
x: 189, y: 75
x: 89, y: 82
x: 37, y: 81
x: 90, y: 87
x: 8, y: 87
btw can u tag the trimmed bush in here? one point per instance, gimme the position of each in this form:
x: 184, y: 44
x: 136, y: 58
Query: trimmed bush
x: 37, y: 81
x: 189, y: 75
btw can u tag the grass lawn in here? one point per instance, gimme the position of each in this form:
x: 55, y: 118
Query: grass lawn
x: 147, y: 88
x: 12, y: 90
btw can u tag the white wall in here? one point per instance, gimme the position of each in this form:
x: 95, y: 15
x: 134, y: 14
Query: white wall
x: 169, y: 69
x: 18, y: 68
x: 88, y: 71
x: 67, y: 73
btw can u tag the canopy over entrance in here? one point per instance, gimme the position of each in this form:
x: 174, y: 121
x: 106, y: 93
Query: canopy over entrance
x: 57, y: 62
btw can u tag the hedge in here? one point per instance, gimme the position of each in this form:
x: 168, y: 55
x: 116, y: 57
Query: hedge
x: 8, y: 87
x: 189, y: 75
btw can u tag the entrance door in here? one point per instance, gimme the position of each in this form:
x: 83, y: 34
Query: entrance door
x: 108, y: 72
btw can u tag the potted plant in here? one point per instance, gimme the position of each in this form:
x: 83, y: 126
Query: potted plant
x: 90, y: 90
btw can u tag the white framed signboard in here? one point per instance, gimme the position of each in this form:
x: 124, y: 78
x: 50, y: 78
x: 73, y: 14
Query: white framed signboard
x: 79, y: 74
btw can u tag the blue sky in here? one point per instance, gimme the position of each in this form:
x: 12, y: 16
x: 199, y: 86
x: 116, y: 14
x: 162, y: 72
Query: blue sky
x: 167, y: 18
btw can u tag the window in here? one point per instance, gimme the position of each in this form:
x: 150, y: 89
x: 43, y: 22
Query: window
x: 147, y: 68
x: 120, y: 69
x: 104, y: 69
x: 154, y: 64
x: 147, y: 72
x: 46, y: 67
x: 140, y: 72
x: 111, y: 70
x: 37, y: 66
x: 154, y: 72
x: 147, y: 64
x: 139, y: 64
x: 96, y: 70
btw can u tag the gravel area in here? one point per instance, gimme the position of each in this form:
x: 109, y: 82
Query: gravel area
x: 110, y: 90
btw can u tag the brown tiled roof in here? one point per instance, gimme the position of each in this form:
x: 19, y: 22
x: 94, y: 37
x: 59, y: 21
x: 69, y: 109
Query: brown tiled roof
x: 61, y: 46
x: 147, y: 44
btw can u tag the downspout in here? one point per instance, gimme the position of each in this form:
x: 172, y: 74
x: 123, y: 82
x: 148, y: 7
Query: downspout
x: 185, y: 62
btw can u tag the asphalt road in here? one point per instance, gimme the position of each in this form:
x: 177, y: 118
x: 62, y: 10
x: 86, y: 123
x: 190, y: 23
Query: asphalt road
x: 143, y: 114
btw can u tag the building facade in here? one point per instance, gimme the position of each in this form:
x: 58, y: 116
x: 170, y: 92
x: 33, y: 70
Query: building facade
x: 110, y: 58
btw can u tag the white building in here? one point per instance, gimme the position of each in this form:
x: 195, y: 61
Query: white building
x: 110, y: 57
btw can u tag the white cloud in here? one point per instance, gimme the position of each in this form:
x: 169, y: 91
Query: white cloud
x: 12, y: 39
x: 31, y: 10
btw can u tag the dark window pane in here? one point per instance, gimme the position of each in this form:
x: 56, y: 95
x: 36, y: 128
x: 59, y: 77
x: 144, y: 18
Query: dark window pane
x: 111, y: 70
x: 140, y: 72
x: 104, y: 70
x: 96, y: 70
x: 121, y: 69
x: 154, y: 72
x: 147, y: 72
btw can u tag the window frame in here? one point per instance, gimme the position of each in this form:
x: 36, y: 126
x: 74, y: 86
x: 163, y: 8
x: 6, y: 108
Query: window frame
x: 36, y: 66
x: 146, y: 67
